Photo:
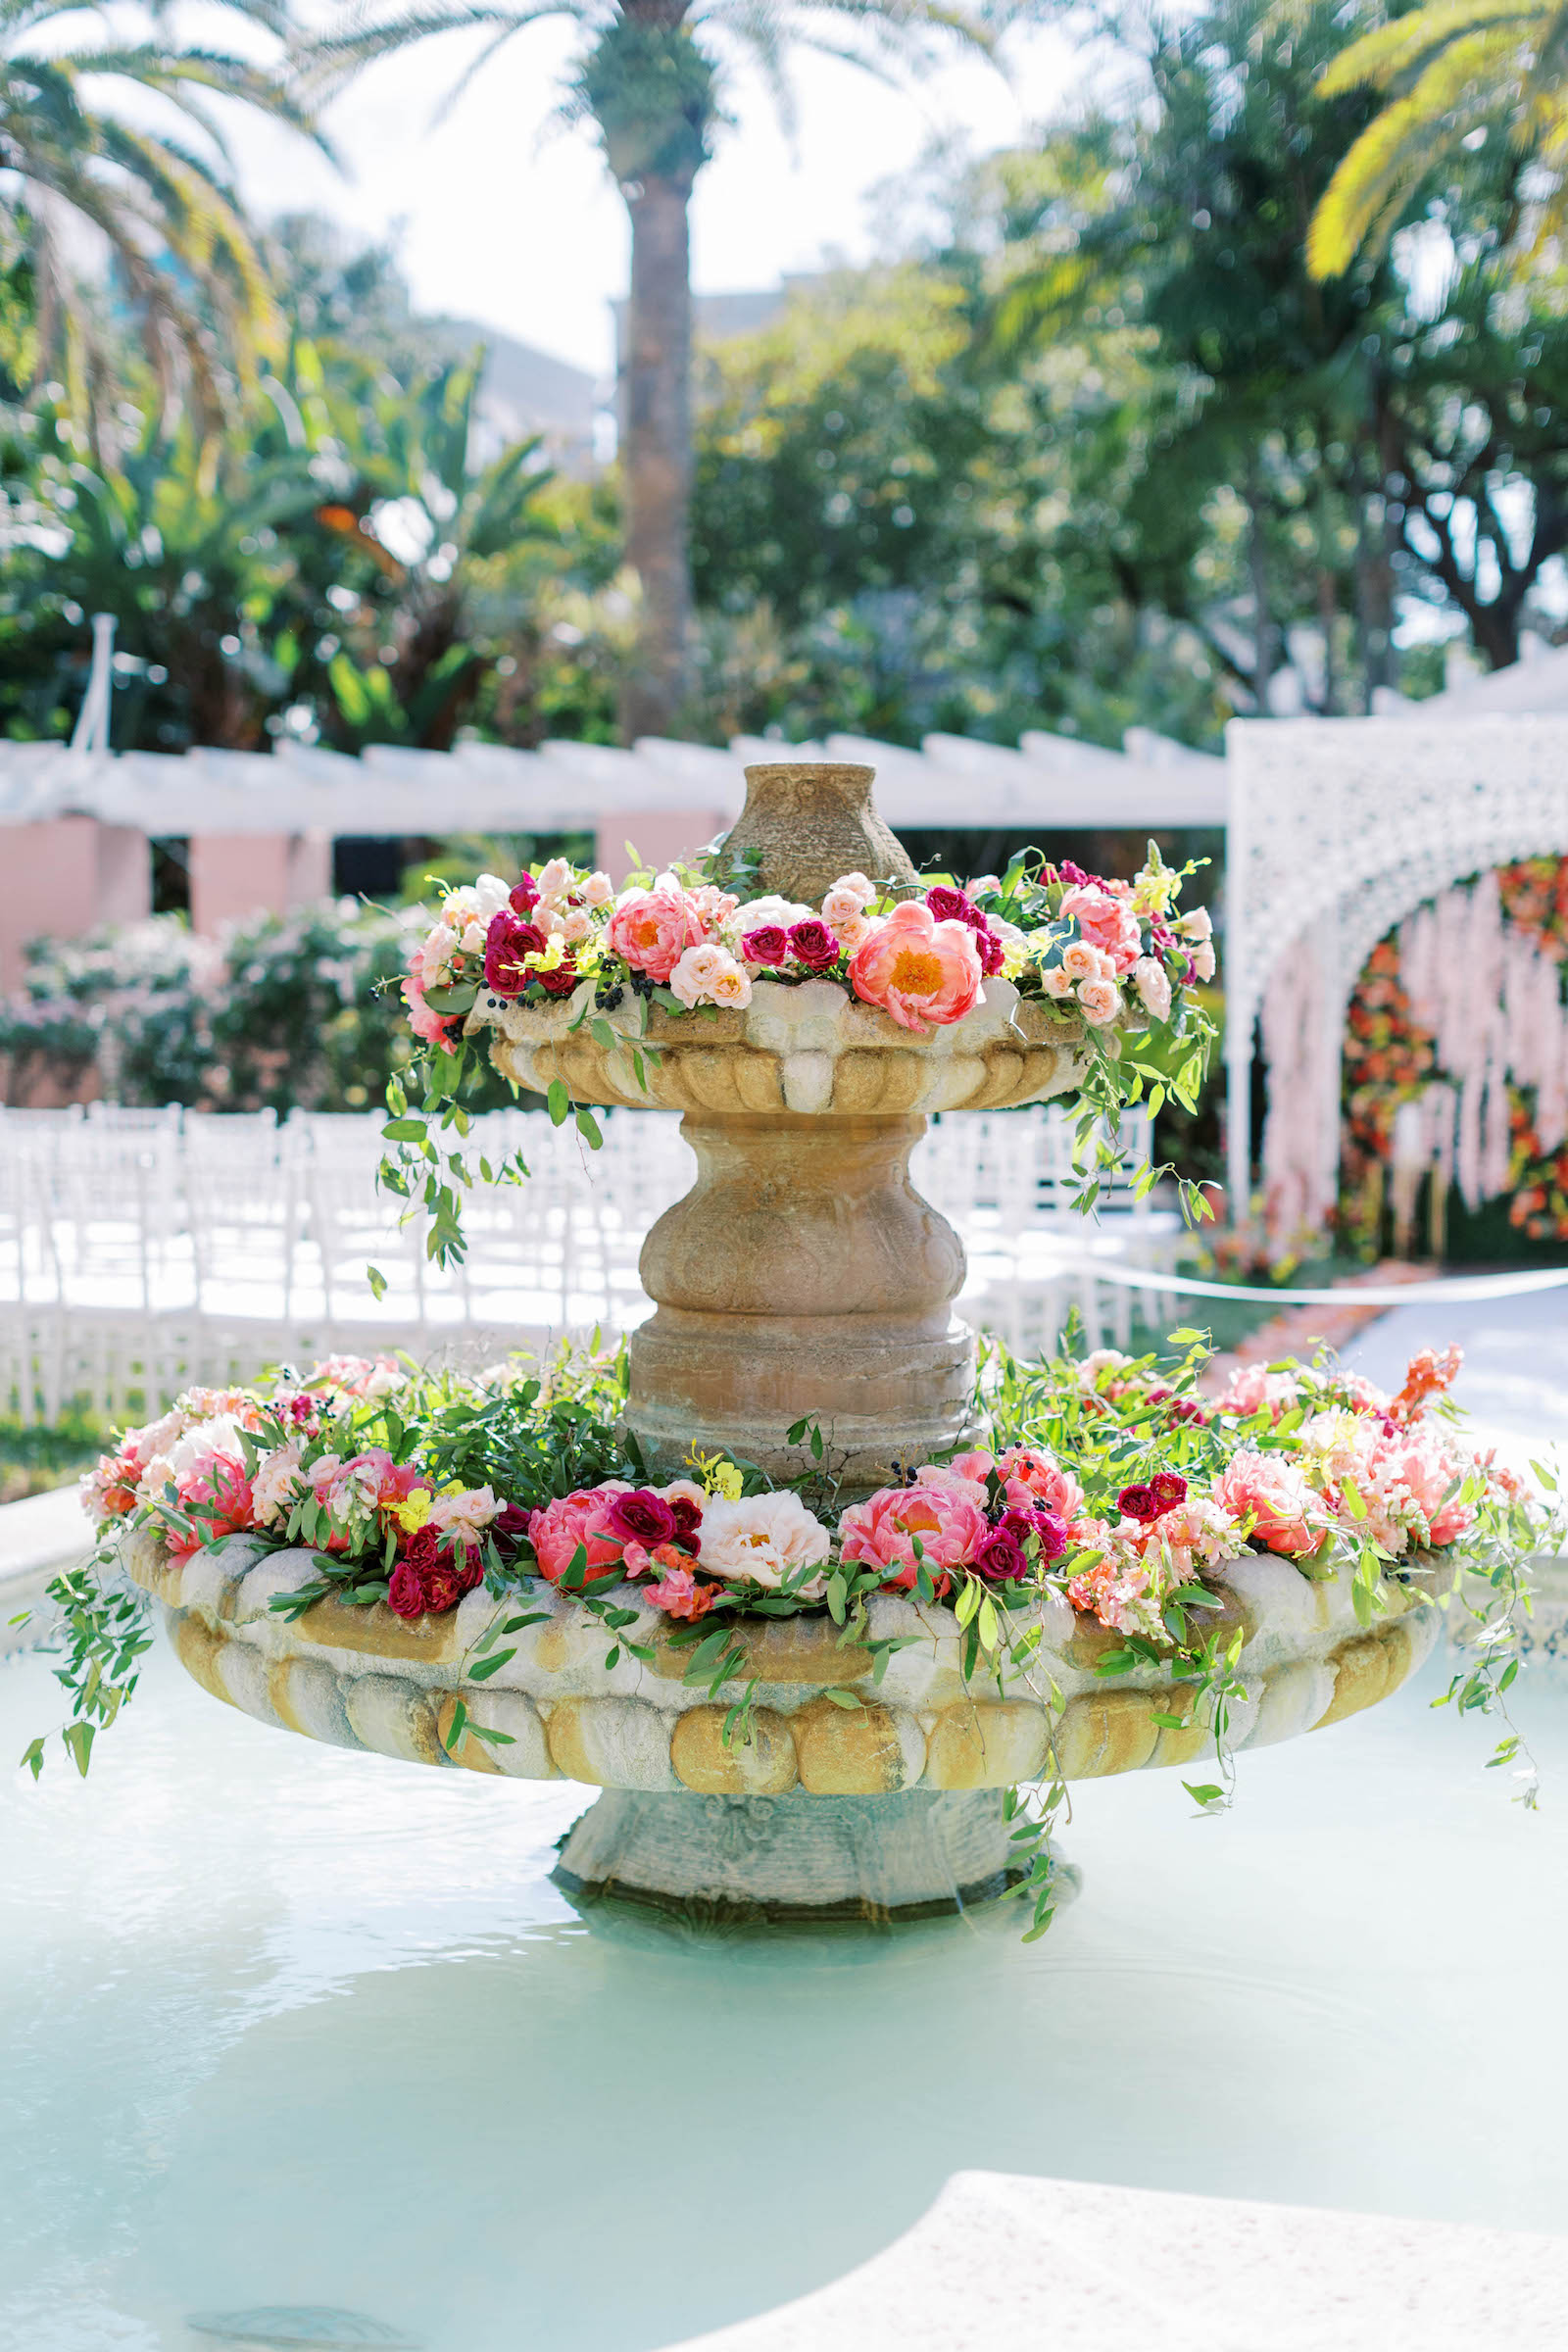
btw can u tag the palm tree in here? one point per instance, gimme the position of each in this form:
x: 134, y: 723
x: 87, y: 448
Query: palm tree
x: 165, y: 205
x: 1452, y: 71
x: 650, y: 86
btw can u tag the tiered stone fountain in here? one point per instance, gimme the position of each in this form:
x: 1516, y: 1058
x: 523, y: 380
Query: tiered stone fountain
x: 803, y: 1275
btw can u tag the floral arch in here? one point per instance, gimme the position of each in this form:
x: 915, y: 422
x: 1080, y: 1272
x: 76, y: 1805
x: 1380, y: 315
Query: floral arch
x: 1339, y: 829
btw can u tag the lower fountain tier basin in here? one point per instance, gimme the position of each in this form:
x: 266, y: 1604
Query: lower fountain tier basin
x: 361, y: 1677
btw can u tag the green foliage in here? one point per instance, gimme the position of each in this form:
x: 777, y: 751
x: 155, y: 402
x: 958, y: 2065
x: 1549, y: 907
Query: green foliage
x: 650, y: 90
x: 284, y: 1010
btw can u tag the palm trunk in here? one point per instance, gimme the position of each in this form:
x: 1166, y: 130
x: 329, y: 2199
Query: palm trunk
x: 657, y: 453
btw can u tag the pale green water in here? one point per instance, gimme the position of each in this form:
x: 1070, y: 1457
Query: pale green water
x: 284, y: 2025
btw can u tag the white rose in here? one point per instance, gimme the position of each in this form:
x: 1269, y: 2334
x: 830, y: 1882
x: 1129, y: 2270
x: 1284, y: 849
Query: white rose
x: 696, y: 970
x: 1197, y: 925
x: 763, y: 1539
x: 599, y: 890
x: 553, y: 877
x: 757, y: 913
x: 1153, y: 984
x: 492, y: 895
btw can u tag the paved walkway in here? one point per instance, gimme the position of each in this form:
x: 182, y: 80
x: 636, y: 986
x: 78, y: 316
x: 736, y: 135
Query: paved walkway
x: 1515, y: 1376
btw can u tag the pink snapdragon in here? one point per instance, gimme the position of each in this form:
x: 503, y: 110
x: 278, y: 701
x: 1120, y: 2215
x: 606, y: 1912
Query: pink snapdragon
x: 1271, y: 1489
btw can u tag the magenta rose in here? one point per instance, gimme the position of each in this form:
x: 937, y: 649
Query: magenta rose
x: 405, y: 1593
x: 988, y: 948
x: 525, y: 894
x: 506, y: 941
x: 640, y: 1516
x: 813, y: 944
x: 560, y: 982
x: 1072, y: 873
x: 769, y: 945
x: 948, y: 906
x: 1000, y: 1558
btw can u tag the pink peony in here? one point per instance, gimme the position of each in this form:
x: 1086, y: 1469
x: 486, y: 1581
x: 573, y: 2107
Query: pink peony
x: 1286, y: 1516
x: 882, y: 1531
x: 1107, y: 922
x: 653, y: 928
x: 1032, y: 1477
x: 1251, y: 1389
x: 965, y: 1474
x: 581, y: 1518
x: 918, y: 970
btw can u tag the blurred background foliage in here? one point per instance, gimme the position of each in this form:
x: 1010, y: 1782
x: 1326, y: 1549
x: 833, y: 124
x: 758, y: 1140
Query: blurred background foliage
x: 1086, y: 448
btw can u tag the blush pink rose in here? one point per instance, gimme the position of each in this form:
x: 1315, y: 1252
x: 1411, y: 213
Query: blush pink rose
x: 1107, y: 922
x: 653, y: 930
x: 881, y: 1530
x: 581, y: 1518
x: 918, y: 970
x: 1287, y: 1517
x: 1099, y: 1001
x: 1152, y: 983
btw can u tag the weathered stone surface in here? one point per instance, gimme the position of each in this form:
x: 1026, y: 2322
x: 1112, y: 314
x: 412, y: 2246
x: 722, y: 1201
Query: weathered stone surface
x: 198, y: 1648
x: 805, y: 822
x: 1361, y: 1678
x: 800, y: 1650
x: 308, y: 1697
x: 243, y: 1673
x: 1113, y: 1734
x: 394, y: 1718
x: 376, y: 1632
x: 986, y: 1745
x: 762, y: 1765
x: 856, y: 1751
x: 612, y: 1743
x: 1291, y: 1701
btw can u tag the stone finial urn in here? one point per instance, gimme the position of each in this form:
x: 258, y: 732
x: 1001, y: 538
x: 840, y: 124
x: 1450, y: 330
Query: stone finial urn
x: 803, y: 1275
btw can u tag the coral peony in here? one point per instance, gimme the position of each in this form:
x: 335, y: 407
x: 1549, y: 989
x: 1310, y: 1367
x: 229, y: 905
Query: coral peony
x: 580, y: 1519
x: 652, y: 929
x: 881, y: 1530
x: 918, y: 970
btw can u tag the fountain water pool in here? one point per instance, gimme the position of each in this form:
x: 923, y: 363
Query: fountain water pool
x: 283, y: 2025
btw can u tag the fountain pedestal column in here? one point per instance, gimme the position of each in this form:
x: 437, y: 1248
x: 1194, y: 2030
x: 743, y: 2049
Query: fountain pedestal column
x: 803, y: 1275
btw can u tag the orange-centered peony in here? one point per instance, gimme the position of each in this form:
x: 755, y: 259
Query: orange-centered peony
x: 917, y: 969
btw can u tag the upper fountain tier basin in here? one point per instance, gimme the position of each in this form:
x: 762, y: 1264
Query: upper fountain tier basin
x: 810, y: 1049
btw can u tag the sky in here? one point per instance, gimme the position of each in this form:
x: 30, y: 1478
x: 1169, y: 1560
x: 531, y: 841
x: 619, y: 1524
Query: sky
x: 506, y: 216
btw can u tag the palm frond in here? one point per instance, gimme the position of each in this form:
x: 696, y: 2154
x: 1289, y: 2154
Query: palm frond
x: 1395, y: 152
x: 1379, y: 56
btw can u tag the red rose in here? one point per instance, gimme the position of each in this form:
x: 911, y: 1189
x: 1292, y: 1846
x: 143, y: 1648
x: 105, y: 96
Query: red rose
x: 688, y: 1520
x: 1139, y: 1503
x: 641, y: 1517
x: 813, y: 944
x: 560, y: 982
x: 525, y: 894
x: 1168, y: 1490
x: 505, y: 943
x: 470, y: 1571
x: 405, y: 1594
x: 768, y: 945
x: 442, y: 1590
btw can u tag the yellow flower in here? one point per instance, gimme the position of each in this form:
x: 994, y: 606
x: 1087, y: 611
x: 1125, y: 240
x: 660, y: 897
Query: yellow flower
x: 717, y: 1476
x: 546, y: 959
x: 413, y: 1510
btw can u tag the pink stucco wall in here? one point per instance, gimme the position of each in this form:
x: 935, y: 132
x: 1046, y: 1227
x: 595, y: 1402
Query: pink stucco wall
x: 238, y: 874
x: 657, y: 834
x: 67, y: 876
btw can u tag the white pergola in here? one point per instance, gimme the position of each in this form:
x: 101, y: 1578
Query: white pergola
x: 1048, y: 781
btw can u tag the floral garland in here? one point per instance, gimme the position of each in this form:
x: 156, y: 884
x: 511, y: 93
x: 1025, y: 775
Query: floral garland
x: 1116, y: 955
x: 1392, y: 1056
